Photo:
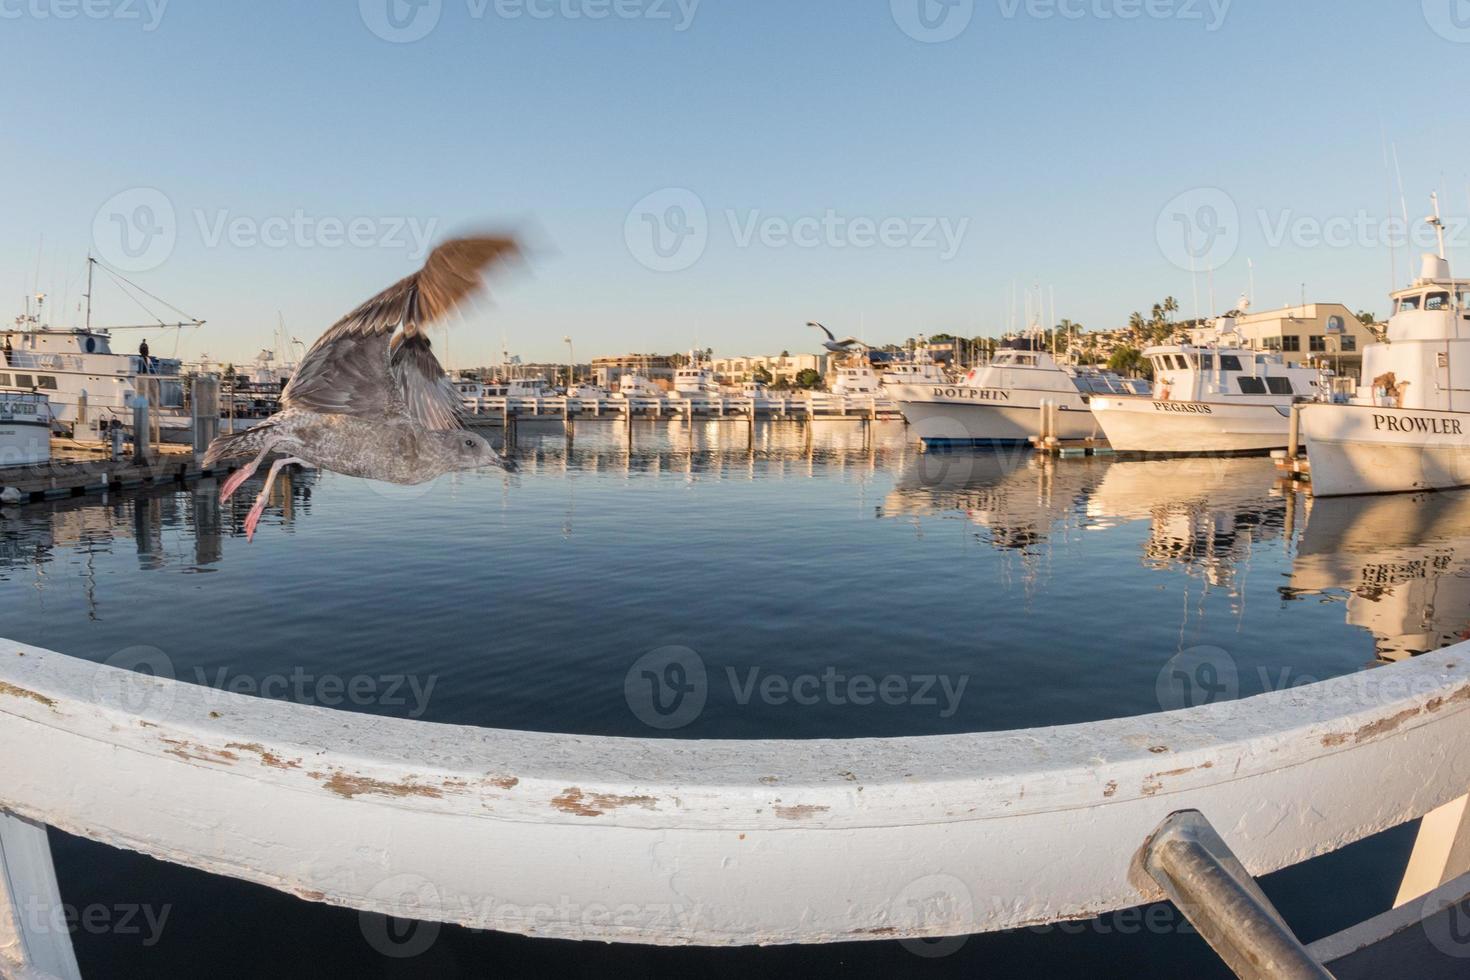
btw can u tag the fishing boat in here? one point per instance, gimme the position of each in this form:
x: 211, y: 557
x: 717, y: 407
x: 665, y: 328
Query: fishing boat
x: 1222, y: 398
x: 696, y: 377
x: 1000, y: 403
x: 25, y: 429
x: 1408, y: 428
x: 637, y: 386
x: 917, y: 369
x: 84, y: 379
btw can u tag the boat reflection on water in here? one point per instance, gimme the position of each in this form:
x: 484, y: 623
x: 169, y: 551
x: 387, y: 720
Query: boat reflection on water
x: 167, y: 526
x: 1403, y: 561
x: 1206, y: 513
x: 1020, y: 499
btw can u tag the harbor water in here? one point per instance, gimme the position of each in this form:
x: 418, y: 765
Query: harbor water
x: 802, y: 582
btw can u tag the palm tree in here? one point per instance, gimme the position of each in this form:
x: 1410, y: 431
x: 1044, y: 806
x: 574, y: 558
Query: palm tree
x: 1171, y: 305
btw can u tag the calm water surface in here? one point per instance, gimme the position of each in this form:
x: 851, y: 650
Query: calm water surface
x: 694, y: 586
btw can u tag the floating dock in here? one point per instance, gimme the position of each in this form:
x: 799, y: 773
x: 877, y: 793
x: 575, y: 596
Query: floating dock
x: 78, y: 469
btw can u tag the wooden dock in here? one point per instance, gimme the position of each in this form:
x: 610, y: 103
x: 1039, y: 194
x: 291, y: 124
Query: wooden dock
x: 78, y: 469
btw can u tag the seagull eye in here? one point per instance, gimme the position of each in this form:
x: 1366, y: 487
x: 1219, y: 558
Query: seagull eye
x: 469, y: 444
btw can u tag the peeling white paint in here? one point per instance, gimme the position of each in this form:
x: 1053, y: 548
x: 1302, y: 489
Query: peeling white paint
x: 716, y: 842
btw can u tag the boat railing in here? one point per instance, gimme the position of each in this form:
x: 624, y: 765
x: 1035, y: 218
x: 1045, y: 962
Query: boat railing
x: 732, y: 842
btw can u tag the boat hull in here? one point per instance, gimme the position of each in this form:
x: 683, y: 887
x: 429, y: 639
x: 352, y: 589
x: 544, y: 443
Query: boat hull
x: 1365, y: 449
x: 24, y: 442
x: 1181, y: 428
x: 958, y: 415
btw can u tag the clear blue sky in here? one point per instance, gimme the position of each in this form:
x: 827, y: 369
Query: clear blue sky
x: 1059, y: 138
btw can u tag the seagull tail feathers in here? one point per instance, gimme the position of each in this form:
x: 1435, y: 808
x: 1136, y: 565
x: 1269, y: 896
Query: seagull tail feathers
x: 234, y: 444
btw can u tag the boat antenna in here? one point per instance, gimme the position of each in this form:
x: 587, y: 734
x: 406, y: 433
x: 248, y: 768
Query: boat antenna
x: 1393, y: 252
x: 1403, y: 206
x: 1438, y: 223
x: 90, y: 263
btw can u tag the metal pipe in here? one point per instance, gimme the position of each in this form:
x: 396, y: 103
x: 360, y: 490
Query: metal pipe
x: 1219, y: 897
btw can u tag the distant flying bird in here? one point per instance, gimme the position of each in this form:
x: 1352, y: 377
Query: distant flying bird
x: 843, y: 346
x: 370, y: 399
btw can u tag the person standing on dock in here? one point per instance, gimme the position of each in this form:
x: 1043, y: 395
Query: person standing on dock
x: 143, y: 353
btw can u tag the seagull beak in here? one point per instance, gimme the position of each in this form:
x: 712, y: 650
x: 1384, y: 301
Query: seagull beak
x: 506, y: 463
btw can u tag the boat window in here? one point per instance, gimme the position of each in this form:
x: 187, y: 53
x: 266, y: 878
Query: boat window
x: 1207, y: 361
x: 47, y: 382
x: 1028, y: 359
x: 24, y: 381
x: 1408, y: 303
x: 1251, y: 386
x: 1229, y: 362
x: 1278, y: 386
x: 1437, y: 301
x: 1181, y: 362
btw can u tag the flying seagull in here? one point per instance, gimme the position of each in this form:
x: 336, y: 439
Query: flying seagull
x: 370, y: 399
x: 843, y: 346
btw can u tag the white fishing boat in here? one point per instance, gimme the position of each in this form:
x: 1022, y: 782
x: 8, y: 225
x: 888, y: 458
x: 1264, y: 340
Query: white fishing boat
x: 696, y: 377
x: 586, y: 391
x: 77, y: 366
x: 637, y: 386
x: 1223, y: 398
x: 1408, y: 428
x: 917, y: 369
x: 1000, y: 403
x: 25, y: 429
x: 855, y: 387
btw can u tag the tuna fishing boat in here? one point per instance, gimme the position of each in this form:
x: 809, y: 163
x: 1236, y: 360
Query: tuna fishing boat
x: 1408, y: 429
x: 1222, y: 398
x: 1000, y: 403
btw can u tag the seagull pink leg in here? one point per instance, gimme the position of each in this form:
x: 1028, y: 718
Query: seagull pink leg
x: 253, y: 518
x: 228, y: 488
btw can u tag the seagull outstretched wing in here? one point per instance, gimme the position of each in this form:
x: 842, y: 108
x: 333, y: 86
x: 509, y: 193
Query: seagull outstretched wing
x: 377, y: 360
x: 824, y: 330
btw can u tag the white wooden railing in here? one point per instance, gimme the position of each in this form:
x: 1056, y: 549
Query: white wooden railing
x: 676, y: 406
x: 705, y: 842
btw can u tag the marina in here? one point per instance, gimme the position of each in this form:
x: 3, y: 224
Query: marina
x: 1217, y: 554
x: 674, y: 490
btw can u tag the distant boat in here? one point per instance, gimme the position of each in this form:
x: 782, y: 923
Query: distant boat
x: 696, y: 377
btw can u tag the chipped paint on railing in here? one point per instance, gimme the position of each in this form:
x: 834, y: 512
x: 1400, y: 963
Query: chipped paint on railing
x: 755, y: 841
